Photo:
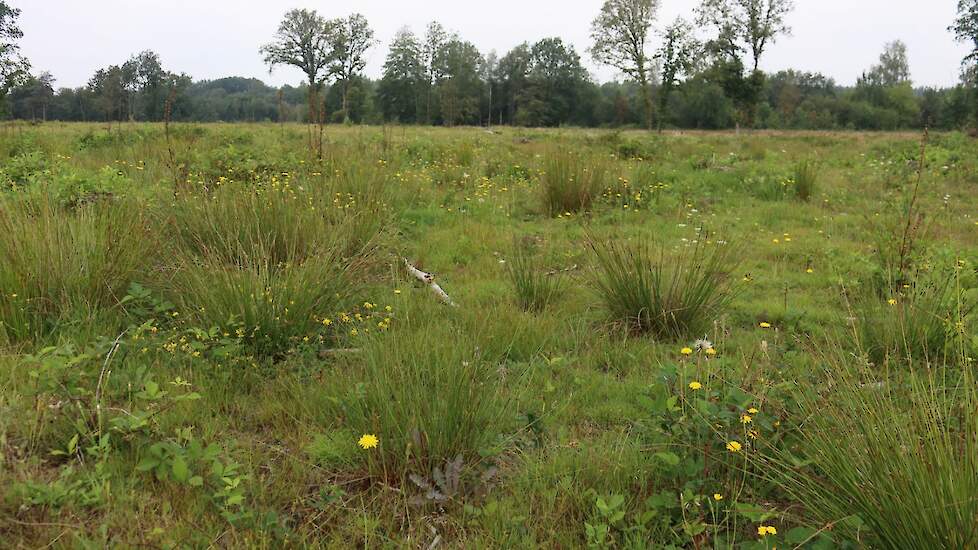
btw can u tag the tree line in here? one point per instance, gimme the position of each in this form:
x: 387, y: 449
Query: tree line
x: 673, y: 78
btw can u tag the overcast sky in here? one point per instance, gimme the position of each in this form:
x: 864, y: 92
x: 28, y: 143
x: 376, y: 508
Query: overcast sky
x: 214, y: 38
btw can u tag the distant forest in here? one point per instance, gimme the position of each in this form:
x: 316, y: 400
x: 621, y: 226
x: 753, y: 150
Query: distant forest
x: 438, y: 78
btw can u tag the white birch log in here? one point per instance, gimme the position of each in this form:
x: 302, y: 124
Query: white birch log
x: 429, y: 279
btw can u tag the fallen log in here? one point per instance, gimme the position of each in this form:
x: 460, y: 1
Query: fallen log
x: 429, y: 280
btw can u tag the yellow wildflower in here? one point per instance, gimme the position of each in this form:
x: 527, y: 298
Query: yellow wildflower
x: 368, y: 441
x: 695, y: 386
x: 734, y: 446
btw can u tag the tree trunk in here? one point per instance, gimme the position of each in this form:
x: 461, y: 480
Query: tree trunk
x: 649, y: 105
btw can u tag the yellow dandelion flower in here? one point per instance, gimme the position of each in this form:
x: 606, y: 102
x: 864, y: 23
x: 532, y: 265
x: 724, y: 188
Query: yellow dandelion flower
x: 765, y: 325
x: 765, y: 530
x: 711, y: 351
x: 695, y: 386
x: 746, y: 419
x: 686, y: 351
x: 734, y: 446
x: 717, y: 497
x: 368, y: 441
x: 752, y: 410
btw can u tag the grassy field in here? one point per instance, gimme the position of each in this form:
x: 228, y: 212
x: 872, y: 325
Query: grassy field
x: 209, y: 336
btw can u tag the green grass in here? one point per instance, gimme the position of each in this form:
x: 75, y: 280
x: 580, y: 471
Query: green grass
x: 883, y: 450
x: 570, y: 182
x: 668, y: 294
x: 805, y: 179
x: 196, y: 370
x: 59, y: 266
x: 534, y: 287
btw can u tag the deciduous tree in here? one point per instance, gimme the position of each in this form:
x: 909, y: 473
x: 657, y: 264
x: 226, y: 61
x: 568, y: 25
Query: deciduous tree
x: 14, y: 68
x: 965, y: 29
x: 893, y: 68
x: 302, y: 41
x: 401, y: 86
x: 620, y: 34
x: 743, y: 27
x: 432, y: 51
x: 750, y: 25
x: 679, y: 56
x: 349, y: 39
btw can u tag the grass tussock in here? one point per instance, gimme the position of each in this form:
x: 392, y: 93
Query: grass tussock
x: 430, y: 396
x: 672, y: 295
x: 58, y: 265
x: 571, y: 182
x: 892, y: 461
x: 926, y: 319
x: 805, y: 178
x: 272, y: 265
x: 534, y: 287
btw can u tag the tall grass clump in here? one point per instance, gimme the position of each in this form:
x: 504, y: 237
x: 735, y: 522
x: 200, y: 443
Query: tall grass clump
x: 271, y: 265
x: 921, y: 320
x: 429, y: 395
x: 59, y: 265
x: 534, y: 287
x: 893, y: 461
x: 805, y: 177
x: 571, y: 182
x: 669, y: 295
